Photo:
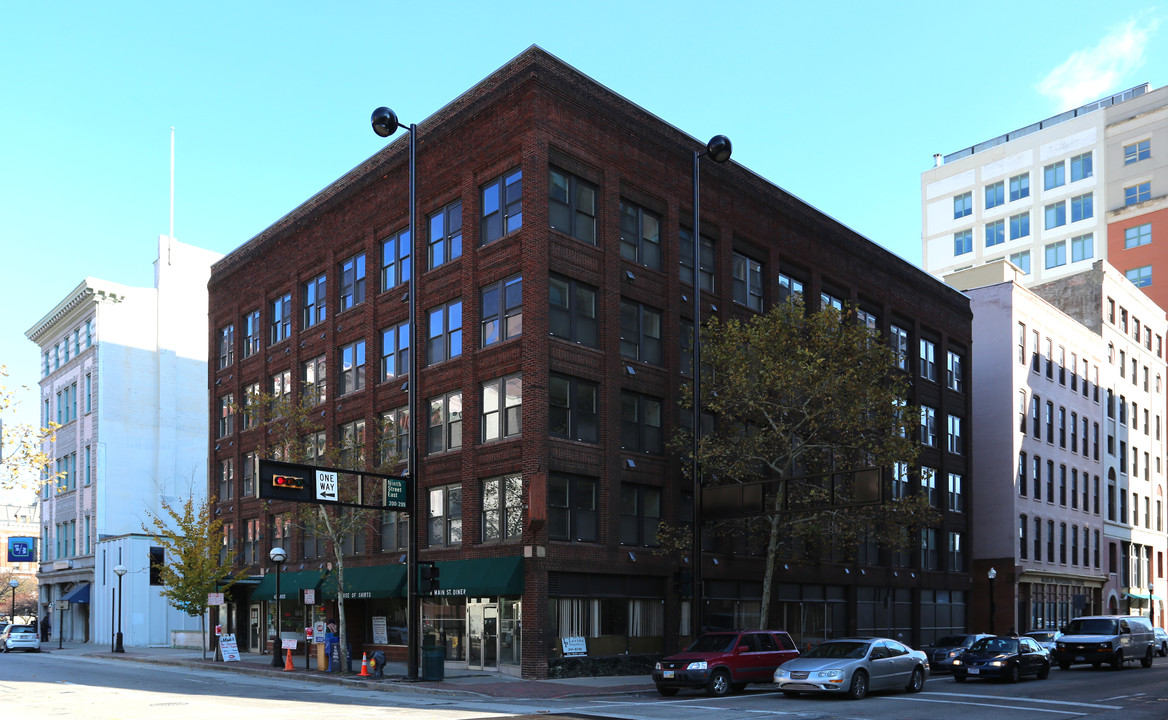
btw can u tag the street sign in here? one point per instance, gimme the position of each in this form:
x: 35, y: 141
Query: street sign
x: 294, y: 482
x: 396, y: 497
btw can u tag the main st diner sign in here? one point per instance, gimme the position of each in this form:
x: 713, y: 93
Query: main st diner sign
x: 295, y: 482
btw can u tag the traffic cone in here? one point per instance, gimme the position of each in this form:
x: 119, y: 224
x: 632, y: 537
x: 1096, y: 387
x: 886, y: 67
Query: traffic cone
x: 288, y: 661
x: 364, y: 666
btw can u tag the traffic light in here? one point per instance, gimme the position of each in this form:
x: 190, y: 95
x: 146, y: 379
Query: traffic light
x: 429, y: 574
x: 288, y: 482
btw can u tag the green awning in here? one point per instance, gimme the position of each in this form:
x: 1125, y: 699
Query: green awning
x: 291, y: 583
x: 381, y: 581
x: 483, y: 577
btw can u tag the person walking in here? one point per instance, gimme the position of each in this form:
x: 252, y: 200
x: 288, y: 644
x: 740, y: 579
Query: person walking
x: 46, y: 629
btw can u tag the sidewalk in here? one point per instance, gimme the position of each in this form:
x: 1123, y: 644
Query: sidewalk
x: 456, y: 680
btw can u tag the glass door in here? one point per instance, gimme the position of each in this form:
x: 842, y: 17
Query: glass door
x: 482, y: 636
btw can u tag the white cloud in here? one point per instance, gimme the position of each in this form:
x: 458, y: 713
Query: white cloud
x: 1097, y: 71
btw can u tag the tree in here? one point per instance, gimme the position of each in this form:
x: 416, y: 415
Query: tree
x: 195, y: 562
x: 21, y: 445
x: 798, y: 396
x: 26, y: 595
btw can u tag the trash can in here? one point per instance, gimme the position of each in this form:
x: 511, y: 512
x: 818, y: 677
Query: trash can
x: 433, y: 664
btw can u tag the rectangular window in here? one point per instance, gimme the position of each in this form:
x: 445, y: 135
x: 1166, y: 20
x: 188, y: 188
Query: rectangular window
x: 502, y: 207
x: 352, y: 370
x: 1019, y: 226
x: 640, y: 327
x: 962, y: 205
x: 395, y: 259
x: 1056, y: 255
x: 315, y: 301
x: 351, y: 444
x: 927, y: 359
x: 444, y: 340
x: 88, y: 465
x: 444, y: 426
x: 88, y: 333
x: 394, y: 442
x: 640, y: 514
x: 1054, y: 175
x: 1082, y: 247
x: 789, y: 287
x: 956, y: 498
x: 444, y: 524
x: 1137, y: 193
x: 1056, y: 215
x: 502, y: 408
x: 706, y: 260
x: 251, y: 341
x: 1023, y: 550
x: 502, y: 508
x: 315, y: 379
x: 501, y: 307
x: 1019, y: 187
x: 250, y: 472
x: 928, y: 549
x: 1022, y: 260
x: 963, y: 242
x: 1082, y: 207
x: 956, y: 443
x: 898, y: 338
x: 1081, y: 167
x: 573, y: 408
x: 226, y: 479
x: 995, y: 233
x: 352, y: 282
x: 395, y: 351
x: 251, y: 397
x: 1050, y: 540
x: 571, y: 508
x: 1141, y: 276
x: 928, y: 426
x: 956, y: 553
x: 226, y: 415
x: 446, y: 234
x: 572, y: 311
x: 640, y: 235
x: 641, y: 427
x: 956, y: 377
x: 1137, y: 151
x: 747, y: 275
x: 395, y: 530
x: 281, y: 387
x: 995, y: 194
x: 226, y: 346
x: 280, y: 312
x: 1022, y: 488
x: 572, y: 206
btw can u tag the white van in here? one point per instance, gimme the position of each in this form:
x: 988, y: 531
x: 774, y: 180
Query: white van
x: 1098, y: 639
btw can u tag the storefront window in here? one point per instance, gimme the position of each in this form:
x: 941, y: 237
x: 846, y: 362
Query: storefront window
x: 444, y: 625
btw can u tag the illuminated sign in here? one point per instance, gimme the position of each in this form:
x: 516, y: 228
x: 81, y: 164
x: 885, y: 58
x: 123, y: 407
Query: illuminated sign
x: 288, y: 482
x: 21, y: 549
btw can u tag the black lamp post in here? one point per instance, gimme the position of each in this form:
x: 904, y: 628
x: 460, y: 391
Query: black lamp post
x: 119, y: 570
x: 278, y: 556
x: 385, y: 123
x: 993, y: 608
x: 13, y: 583
x: 718, y: 150
x: 1151, y: 601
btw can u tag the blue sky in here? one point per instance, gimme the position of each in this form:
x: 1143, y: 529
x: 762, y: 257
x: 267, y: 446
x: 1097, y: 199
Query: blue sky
x: 842, y: 105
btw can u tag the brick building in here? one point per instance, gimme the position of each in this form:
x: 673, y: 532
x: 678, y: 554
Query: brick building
x: 556, y: 226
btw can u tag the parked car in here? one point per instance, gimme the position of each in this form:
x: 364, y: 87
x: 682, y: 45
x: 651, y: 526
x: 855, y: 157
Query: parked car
x: 725, y: 661
x: 1003, y: 658
x: 1161, y: 641
x: 1099, y: 639
x: 1045, y: 638
x: 852, y: 667
x: 20, y: 637
x: 944, y: 649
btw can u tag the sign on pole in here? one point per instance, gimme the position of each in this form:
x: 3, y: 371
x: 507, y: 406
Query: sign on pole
x: 318, y: 485
x: 215, y: 599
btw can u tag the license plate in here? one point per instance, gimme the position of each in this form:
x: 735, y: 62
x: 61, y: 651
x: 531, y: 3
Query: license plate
x: 1080, y: 658
x: 974, y: 671
x: 667, y: 674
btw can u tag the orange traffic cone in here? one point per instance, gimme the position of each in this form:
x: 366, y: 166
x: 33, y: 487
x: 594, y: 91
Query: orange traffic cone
x: 364, y: 666
x: 288, y: 661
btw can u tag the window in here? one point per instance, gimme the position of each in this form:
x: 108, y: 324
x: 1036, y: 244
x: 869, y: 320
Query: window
x: 1082, y: 247
x: 1141, y: 276
x: 89, y: 391
x: 1081, y: 167
x: 446, y: 234
x: 571, y: 508
x: 444, y: 525
x: 1082, y: 207
x: 251, y: 399
x: 445, y: 336
x: 1137, y: 193
x: 640, y: 235
x: 956, y: 378
x: 1050, y: 540
x: 573, y: 408
x: 1050, y: 422
x: 789, y: 287
x: 1056, y: 215
x: 352, y: 283
x: 314, y: 444
x: 444, y: 427
x: 352, y: 375
x: 315, y: 380
x: 962, y: 205
x: 251, y: 341
x: 315, y: 301
x: 1022, y: 260
x: 962, y: 242
x: 640, y: 514
x: 226, y: 346
x: 1023, y: 551
x: 706, y: 260
x: 89, y: 333
x: 928, y: 363
x: 502, y: 207
x: 226, y: 415
x: 1056, y: 255
x: 1038, y: 539
x: 827, y: 300
x: 572, y: 311
x: 502, y: 408
x: 228, y: 546
x: 898, y: 338
x: 641, y: 429
x: 395, y: 351
x: 1036, y: 422
x: 1054, y: 175
x: 928, y: 426
x: 956, y: 554
x: 956, y: 499
x: 351, y: 444
x: 501, y: 307
x: 395, y: 530
x: 1019, y: 226
x: 1022, y: 411
x: 572, y: 206
x: 395, y: 260
x: 250, y: 469
x: 640, y: 327
x: 1019, y: 187
x: 928, y: 549
x: 394, y: 443
x: 956, y: 444
x: 502, y: 508
x: 1022, y: 491
x: 281, y: 318
x: 226, y: 479
x: 747, y: 274
x: 995, y: 194
x: 1137, y: 151
x: 995, y: 233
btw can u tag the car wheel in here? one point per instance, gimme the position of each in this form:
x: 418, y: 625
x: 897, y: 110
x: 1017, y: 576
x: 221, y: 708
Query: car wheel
x: 1117, y: 663
x: 1146, y: 660
x: 666, y: 691
x: 858, y: 690
x: 916, y: 682
x: 1164, y: 649
x: 1013, y: 674
x: 791, y: 693
x: 719, y: 684
x: 1044, y: 671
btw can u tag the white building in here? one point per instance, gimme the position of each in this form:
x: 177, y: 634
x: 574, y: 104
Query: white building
x: 124, y: 376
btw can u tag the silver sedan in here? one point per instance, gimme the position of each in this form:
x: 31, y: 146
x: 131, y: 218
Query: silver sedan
x: 852, y: 667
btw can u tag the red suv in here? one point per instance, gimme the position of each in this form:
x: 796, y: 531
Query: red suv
x: 725, y: 661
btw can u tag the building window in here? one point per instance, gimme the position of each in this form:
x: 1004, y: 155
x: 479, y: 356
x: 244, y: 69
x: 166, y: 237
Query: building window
x: 228, y: 546
x: 956, y: 443
x: 446, y: 234
x: 395, y: 351
x: 281, y: 318
x: 572, y: 311
x: 395, y: 260
x: 1056, y: 255
x: 352, y: 283
x: 351, y: 444
x: 747, y: 275
x: 928, y: 426
x: 962, y: 205
x: 1019, y: 187
x: 827, y: 300
x: 928, y: 549
x: 1050, y: 540
x: 963, y: 242
x: 1019, y: 225
x: 444, y: 340
x: 314, y: 444
x: 1137, y: 193
x: 956, y: 553
x: 789, y: 287
x: 1082, y: 207
x: 1022, y: 260
x: 502, y: 508
x: 226, y: 415
x: 1056, y: 215
x: 315, y: 380
x: 394, y: 443
x: 928, y: 363
x: 898, y: 337
x: 640, y: 514
x: 995, y: 194
x: 352, y: 372
x: 706, y: 267
x: 640, y: 235
x: 226, y: 479
x: 502, y: 207
x: 226, y: 346
x: 1023, y: 550
x: 640, y: 327
x: 573, y: 408
x: 1081, y: 167
x: 1054, y: 175
x: 501, y: 307
x: 395, y: 530
x: 251, y: 464
x: 1137, y: 236
x: 572, y: 206
x: 1137, y: 151
x: 956, y: 498
x: 502, y: 408
x: 571, y: 508
x: 444, y: 426
x: 1082, y: 247
x: 1141, y: 276
x: 1022, y: 491
x: 251, y: 540
x: 641, y: 423
x: 995, y: 233
x: 251, y: 341
x: 315, y: 301
x: 444, y: 524
x: 251, y: 399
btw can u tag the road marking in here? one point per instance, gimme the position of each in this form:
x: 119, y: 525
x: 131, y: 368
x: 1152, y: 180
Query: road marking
x: 986, y: 705
x: 1018, y: 699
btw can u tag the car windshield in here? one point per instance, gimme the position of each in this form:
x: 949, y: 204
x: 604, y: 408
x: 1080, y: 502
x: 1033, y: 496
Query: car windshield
x: 952, y: 641
x: 843, y: 649
x: 996, y: 645
x: 718, y: 642
x: 23, y: 629
x: 1042, y: 636
x: 1091, y: 626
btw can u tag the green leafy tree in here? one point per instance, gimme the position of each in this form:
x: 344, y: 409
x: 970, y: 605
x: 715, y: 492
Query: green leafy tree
x: 23, y: 459
x: 798, y: 396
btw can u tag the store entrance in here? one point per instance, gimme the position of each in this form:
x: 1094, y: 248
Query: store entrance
x: 482, y: 629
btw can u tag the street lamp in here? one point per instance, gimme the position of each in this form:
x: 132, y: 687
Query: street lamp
x: 13, y: 583
x: 993, y: 609
x: 119, y: 570
x: 1151, y: 601
x: 385, y: 123
x: 718, y: 150
x: 278, y: 556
